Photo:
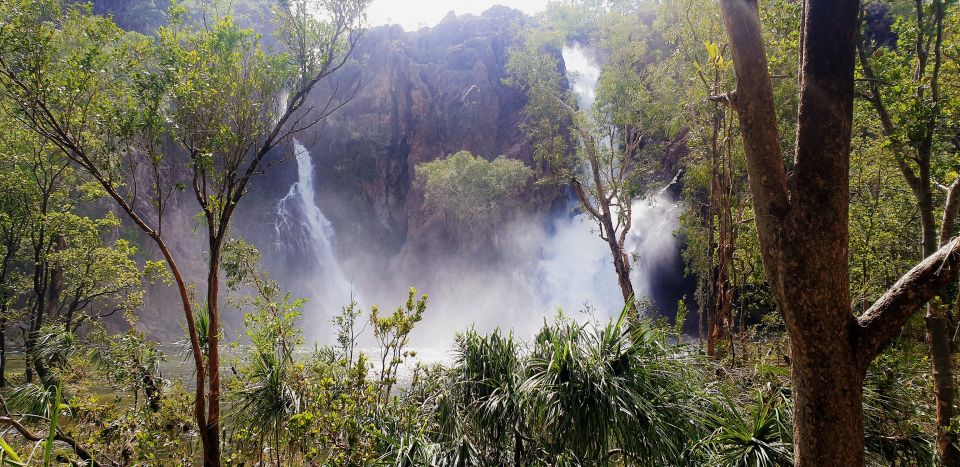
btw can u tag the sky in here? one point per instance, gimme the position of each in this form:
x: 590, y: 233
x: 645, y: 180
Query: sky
x: 414, y: 14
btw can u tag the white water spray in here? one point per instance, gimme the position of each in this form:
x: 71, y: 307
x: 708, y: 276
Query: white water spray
x: 302, y: 228
x: 560, y: 261
x: 582, y: 73
x: 575, y: 266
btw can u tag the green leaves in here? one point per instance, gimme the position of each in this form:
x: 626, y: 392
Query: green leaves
x: 392, y: 332
x: 54, y: 422
x: 716, y: 57
x: 471, y: 190
x: 761, y: 437
x: 9, y: 456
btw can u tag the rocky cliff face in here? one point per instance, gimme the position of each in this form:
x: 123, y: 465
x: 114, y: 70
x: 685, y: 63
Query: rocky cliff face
x: 413, y: 97
x: 408, y: 98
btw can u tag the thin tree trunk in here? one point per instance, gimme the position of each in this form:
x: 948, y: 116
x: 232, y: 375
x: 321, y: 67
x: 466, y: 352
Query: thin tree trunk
x: 199, y: 406
x: 938, y: 337
x: 212, y: 448
x: 3, y: 344
x: 40, y: 295
x: 517, y: 448
x: 621, y: 264
x: 55, y: 287
x: 937, y: 326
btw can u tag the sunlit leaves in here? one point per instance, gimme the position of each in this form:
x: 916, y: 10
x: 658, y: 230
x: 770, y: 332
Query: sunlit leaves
x: 469, y: 189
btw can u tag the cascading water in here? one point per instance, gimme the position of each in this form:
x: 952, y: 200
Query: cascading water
x: 545, y: 263
x: 303, y: 229
x: 582, y: 74
x: 575, y: 266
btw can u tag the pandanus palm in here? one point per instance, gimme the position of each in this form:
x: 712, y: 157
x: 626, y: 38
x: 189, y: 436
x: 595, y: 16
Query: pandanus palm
x: 757, y: 435
x: 598, y: 394
x: 485, y: 388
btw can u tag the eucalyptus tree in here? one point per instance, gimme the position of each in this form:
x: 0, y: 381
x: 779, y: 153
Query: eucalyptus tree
x: 111, y: 102
x: 607, y: 158
x: 803, y: 227
x: 904, y: 85
x: 469, y: 190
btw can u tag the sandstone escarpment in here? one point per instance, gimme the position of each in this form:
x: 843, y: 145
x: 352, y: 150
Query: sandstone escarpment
x: 415, y: 97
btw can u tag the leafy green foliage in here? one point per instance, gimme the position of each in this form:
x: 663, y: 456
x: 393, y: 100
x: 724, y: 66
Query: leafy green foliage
x: 392, y: 332
x: 89, y: 109
x: 471, y: 190
x: 760, y: 437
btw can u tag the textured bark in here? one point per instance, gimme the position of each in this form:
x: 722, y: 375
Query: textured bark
x: 211, y: 449
x: 938, y: 338
x: 828, y: 412
x: 884, y: 319
x: 621, y: 264
x: 803, y: 233
x: 722, y: 301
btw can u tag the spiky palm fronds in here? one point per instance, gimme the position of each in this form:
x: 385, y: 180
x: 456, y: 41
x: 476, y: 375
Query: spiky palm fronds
x: 201, y: 321
x: 484, y: 387
x: 598, y: 393
x: 54, y: 346
x: 760, y: 438
x: 31, y: 399
x: 267, y: 399
x: 895, y: 417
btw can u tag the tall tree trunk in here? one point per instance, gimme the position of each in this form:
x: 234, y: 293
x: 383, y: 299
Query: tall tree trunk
x: 804, y: 232
x: 711, y: 283
x: 722, y: 321
x: 39, y: 296
x: 803, y: 229
x: 55, y: 287
x: 47, y: 308
x: 710, y: 295
x: 199, y: 404
x: 938, y: 338
x: 212, y: 448
x: 3, y: 343
x: 937, y: 326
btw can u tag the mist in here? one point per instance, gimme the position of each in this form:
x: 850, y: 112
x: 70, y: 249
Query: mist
x: 536, y: 264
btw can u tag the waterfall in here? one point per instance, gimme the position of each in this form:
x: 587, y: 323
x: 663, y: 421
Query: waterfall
x: 304, y: 234
x: 575, y: 266
x: 582, y: 73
